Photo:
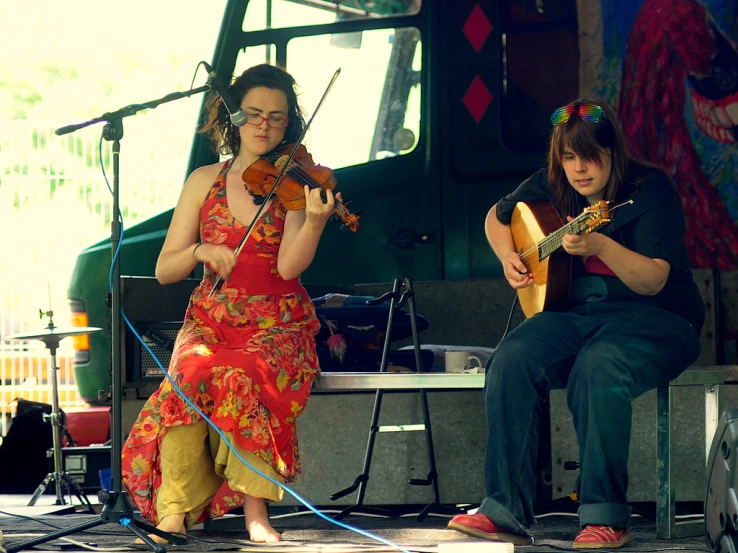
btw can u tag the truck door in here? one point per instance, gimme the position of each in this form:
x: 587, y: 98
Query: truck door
x: 505, y: 66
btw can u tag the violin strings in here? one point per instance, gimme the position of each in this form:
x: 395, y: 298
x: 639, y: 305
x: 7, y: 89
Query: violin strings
x: 295, y: 171
x: 304, y: 178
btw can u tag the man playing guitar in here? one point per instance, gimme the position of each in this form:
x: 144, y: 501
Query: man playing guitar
x: 630, y: 323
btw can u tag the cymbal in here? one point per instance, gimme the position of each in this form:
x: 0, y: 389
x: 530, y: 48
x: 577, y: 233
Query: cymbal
x: 55, y: 333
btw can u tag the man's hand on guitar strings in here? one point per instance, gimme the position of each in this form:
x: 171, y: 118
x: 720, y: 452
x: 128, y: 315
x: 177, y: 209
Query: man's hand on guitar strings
x: 516, y: 273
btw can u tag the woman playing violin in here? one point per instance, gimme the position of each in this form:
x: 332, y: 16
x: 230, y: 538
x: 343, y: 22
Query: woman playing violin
x: 246, y: 354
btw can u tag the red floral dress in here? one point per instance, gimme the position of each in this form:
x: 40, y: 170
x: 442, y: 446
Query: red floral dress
x: 246, y: 357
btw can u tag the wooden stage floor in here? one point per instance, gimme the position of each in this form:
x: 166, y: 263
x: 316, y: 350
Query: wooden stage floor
x: 304, y: 532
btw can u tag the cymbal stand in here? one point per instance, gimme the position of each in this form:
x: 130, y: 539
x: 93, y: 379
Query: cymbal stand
x: 55, y: 418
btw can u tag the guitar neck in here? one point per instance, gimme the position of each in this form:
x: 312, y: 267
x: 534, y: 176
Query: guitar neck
x: 553, y: 241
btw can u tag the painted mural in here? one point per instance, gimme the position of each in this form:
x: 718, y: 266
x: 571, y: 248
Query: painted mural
x: 671, y: 68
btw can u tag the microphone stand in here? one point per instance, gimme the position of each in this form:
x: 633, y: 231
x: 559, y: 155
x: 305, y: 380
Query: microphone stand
x: 116, y: 505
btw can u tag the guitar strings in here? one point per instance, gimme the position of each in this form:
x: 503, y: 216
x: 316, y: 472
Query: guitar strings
x: 571, y: 225
x: 574, y: 224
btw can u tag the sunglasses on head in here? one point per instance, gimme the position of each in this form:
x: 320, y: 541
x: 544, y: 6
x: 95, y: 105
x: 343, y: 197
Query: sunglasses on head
x: 589, y: 113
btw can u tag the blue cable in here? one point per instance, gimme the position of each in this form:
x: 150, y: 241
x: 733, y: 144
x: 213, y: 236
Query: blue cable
x: 205, y: 418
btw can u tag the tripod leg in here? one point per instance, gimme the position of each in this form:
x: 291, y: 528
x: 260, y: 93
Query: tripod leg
x: 151, y: 529
x: 74, y: 488
x: 363, y: 509
x: 128, y: 523
x: 41, y: 489
x: 117, y: 510
x: 49, y: 537
x: 424, y: 513
x: 132, y: 526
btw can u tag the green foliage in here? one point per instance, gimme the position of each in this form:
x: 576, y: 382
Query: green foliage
x: 80, y: 59
x: 55, y: 179
x: 38, y: 140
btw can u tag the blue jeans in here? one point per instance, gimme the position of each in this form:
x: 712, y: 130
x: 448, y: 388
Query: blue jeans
x: 605, y: 354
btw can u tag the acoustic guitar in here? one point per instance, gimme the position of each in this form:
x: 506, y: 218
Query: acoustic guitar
x: 538, y: 231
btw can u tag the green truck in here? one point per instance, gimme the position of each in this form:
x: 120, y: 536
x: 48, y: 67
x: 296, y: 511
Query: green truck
x: 442, y: 107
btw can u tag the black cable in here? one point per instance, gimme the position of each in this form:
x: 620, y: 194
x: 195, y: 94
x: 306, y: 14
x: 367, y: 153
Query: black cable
x: 509, y: 318
x: 31, y: 519
x: 197, y: 68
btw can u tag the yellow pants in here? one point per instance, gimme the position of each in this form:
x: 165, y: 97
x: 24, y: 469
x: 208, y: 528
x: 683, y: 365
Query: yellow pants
x: 195, y: 461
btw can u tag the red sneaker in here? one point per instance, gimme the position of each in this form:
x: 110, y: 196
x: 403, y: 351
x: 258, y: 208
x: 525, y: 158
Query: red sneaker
x: 480, y: 526
x: 601, y: 537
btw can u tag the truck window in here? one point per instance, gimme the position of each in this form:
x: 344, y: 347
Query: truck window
x: 373, y: 111
x: 290, y: 13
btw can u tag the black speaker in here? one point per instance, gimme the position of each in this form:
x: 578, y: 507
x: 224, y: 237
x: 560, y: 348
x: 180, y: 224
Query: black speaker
x: 159, y: 337
x: 23, y: 453
x: 83, y: 465
x: 721, y: 502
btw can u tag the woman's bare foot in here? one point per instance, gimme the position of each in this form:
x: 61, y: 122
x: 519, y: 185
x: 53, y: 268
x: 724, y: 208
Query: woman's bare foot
x: 257, y: 521
x: 171, y: 523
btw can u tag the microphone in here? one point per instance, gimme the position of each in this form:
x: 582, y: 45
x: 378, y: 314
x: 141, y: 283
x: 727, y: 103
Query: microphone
x: 238, y: 116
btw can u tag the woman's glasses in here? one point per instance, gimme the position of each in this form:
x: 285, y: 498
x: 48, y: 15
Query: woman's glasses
x: 589, y: 113
x: 274, y: 122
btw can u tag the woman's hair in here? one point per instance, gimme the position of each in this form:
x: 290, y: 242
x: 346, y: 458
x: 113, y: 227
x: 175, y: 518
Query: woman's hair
x: 591, y: 141
x: 224, y: 134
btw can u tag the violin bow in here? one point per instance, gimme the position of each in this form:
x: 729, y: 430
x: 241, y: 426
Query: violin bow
x: 270, y: 193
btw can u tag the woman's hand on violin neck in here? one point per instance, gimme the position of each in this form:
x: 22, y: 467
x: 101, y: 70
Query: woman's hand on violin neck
x: 317, y: 212
x: 221, y: 259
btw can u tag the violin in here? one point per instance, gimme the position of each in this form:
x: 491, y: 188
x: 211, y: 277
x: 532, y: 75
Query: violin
x: 259, y: 177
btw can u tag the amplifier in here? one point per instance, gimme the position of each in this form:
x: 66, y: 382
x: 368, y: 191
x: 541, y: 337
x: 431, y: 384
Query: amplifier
x: 160, y: 339
x: 83, y: 465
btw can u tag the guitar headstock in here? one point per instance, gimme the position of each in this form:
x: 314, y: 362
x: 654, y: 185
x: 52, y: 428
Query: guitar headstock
x: 596, y: 215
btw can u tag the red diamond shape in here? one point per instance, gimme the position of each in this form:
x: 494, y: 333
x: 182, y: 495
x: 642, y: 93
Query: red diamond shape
x: 477, y: 28
x: 477, y: 99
